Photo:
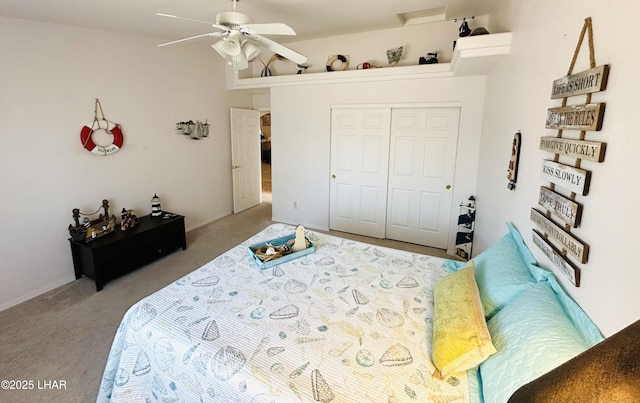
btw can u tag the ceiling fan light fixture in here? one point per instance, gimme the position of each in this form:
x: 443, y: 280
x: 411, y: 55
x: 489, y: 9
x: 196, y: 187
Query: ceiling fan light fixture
x: 232, y: 45
x: 218, y: 47
x: 250, y: 50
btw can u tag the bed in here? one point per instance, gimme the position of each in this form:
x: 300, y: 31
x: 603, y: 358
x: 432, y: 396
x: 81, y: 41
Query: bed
x: 351, y: 322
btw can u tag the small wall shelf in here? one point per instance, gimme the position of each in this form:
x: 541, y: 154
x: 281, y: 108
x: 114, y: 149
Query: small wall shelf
x: 474, y: 55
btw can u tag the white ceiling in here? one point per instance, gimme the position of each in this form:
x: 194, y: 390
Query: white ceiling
x: 310, y: 19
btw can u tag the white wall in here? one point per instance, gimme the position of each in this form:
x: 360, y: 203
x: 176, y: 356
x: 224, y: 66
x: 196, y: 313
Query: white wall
x: 50, y: 76
x: 545, y: 34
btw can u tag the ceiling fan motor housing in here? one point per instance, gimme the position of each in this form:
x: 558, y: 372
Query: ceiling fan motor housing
x: 233, y: 18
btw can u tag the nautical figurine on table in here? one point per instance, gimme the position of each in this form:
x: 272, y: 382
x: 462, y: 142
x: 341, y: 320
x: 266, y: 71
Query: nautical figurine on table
x: 90, y: 230
x: 128, y: 219
x: 156, y: 210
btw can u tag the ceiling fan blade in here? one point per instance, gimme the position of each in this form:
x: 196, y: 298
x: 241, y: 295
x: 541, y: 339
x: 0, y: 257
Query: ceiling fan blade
x: 192, y: 38
x: 221, y: 27
x: 276, y: 28
x: 279, y: 49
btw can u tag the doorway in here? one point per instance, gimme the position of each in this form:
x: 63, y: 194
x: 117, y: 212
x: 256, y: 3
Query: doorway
x: 265, y: 155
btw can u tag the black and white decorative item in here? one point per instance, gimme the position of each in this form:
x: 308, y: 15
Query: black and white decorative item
x: 512, y: 170
x: 342, y: 65
x: 394, y: 55
x: 156, y: 210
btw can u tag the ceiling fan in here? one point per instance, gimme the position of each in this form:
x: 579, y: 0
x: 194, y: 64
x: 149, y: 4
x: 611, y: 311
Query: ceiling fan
x: 241, y: 38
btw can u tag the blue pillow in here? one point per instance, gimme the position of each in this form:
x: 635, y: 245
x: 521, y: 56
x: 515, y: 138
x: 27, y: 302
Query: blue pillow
x: 502, y: 271
x: 532, y: 335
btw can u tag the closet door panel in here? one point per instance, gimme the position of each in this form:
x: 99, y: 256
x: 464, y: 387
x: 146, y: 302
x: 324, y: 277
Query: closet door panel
x: 359, y: 170
x: 421, y: 168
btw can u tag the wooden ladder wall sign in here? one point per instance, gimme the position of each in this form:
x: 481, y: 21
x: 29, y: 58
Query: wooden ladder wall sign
x: 555, y: 239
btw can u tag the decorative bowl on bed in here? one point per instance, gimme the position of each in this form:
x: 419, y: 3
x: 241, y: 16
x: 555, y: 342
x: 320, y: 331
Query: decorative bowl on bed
x: 276, y: 243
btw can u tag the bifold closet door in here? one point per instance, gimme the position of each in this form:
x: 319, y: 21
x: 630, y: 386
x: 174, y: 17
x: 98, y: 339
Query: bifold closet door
x: 359, y: 169
x: 421, y: 171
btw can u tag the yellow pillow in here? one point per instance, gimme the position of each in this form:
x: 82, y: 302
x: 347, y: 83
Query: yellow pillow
x: 461, y: 340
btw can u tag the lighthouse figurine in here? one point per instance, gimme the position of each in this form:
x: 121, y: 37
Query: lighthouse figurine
x: 156, y: 210
x: 300, y: 242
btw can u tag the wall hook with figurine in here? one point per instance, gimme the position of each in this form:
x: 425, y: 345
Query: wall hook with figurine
x: 512, y: 171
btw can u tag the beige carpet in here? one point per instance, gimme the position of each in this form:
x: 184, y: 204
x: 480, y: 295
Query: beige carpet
x: 57, y: 344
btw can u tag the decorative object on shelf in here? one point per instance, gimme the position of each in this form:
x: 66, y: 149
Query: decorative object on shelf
x: 557, y: 241
x: 432, y: 58
x: 464, y: 29
x: 331, y: 61
x: 466, y: 224
x: 512, y: 171
x: 101, y: 123
x: 90, y: 230
x: 128, y: 219
x: 366, y: 65
x: 479, y: 31
x: 195, y: 131
x: 394, y: 55
x: 156, y: 210
x: 266, y: 71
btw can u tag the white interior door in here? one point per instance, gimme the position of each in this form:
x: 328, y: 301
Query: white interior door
x: 245, y: 159
x: 421, y: 172
x: 359, y: 167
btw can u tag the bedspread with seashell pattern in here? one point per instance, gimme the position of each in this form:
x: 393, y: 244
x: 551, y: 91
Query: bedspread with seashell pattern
x: 348, y: 323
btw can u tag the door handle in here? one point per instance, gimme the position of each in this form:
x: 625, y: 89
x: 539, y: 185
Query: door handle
x: 235, y: 166
x: 448, y: 187
x: 333, y: 176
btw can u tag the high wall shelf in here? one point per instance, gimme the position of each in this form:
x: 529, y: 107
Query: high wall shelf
x: 475, y: 55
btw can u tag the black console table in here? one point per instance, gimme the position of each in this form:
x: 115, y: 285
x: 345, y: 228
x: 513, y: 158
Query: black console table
x: 121, y: 252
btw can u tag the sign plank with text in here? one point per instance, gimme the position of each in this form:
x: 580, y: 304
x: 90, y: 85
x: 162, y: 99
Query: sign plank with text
x: 576, y: 117
x: 585, y: 82
x: 585, y: 150
x: 566, y: 267
x: 568, y: 211
x: 573, y: 246
x: 570, y: 178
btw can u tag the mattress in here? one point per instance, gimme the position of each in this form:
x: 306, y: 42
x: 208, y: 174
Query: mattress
x: 348, y: 323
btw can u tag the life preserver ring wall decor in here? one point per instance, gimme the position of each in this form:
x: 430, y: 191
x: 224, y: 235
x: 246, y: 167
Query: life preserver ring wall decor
x: 334, y: 58
x: 87, y: 141
x: 101, y: 123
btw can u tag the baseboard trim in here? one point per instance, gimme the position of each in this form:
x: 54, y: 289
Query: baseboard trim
x: 37, y: 293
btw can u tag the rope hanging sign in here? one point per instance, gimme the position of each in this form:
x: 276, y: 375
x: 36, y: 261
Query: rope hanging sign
x: 556, y: 205
x: 101, y: 123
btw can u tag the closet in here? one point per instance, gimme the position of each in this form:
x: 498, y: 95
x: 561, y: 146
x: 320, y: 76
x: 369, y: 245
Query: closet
x: 392, y: 172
